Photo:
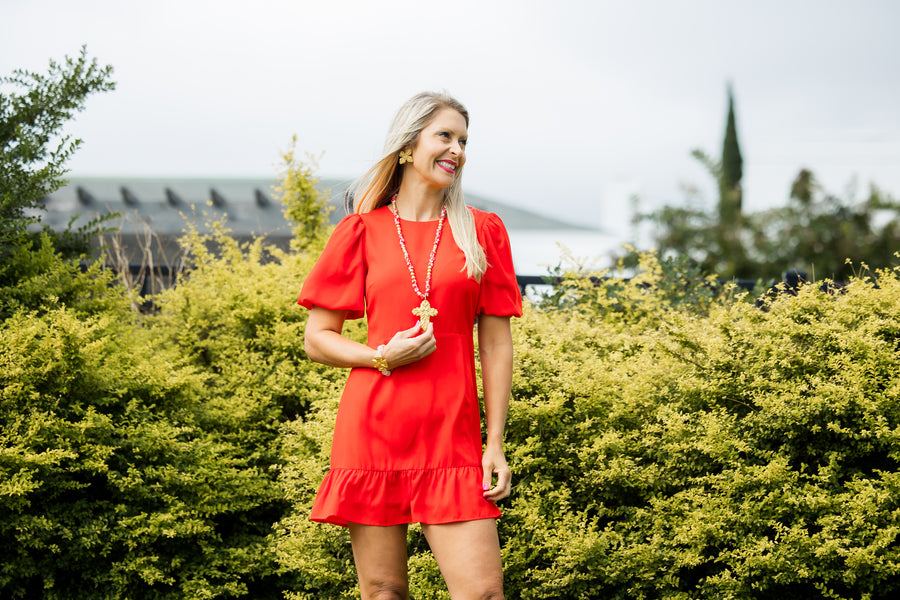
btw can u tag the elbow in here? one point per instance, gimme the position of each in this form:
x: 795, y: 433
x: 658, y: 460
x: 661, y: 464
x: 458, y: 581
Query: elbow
x: 502, y: 348
x: 498, y: 355
x: 321, y: 337
x: 309, y: 346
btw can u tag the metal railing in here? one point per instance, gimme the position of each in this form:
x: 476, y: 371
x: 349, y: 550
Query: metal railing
x: 170, y: 276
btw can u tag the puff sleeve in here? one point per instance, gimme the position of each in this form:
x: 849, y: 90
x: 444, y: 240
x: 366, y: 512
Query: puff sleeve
x: 337, y: 281
x: 499, y: 294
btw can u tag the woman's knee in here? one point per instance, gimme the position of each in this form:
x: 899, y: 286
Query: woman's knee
x: 386, y: 590
x: 492, y: 592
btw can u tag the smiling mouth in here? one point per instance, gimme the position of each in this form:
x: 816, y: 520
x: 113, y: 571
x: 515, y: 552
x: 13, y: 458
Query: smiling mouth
x: 447, y: 166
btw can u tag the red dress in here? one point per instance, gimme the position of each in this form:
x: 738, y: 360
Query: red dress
x: 407, y: 447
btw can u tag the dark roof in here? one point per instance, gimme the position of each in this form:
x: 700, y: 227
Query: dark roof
x: 246, y: 205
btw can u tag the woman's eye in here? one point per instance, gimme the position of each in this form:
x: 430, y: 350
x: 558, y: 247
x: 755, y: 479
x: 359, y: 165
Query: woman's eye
x: 449, y: 136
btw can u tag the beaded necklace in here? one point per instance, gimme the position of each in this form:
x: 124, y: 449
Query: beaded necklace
x: 424, y: 311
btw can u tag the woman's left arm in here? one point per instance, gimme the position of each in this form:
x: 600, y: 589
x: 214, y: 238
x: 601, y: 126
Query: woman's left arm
x: 496, y: 351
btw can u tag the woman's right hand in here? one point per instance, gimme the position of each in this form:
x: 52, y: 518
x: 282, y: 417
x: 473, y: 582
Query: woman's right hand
x: 406, y: 347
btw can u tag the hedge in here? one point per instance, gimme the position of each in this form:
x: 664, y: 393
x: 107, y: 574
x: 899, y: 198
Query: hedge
x: 664, y: 449
x: 668, y: 438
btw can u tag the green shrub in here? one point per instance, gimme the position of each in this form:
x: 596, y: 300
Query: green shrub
x: 745, y: 454
x: 641, y: 288
x: 667, y: 438
x: 111, y: 486
x: 234, y: 317
x: 45, y: 280
x: 138, y: 453
x: 675, y: 450
x: 319, y: 555
x: 305, y: 205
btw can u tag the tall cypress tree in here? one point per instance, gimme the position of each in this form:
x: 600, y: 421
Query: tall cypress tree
x: 732, y: 164
x: 729, y: 175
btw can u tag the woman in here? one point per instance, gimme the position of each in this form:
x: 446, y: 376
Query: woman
x: 422, y: 266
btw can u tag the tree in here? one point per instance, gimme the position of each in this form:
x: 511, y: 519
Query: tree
x: 33, y: 151
x: 816, y: 231
x: 714, y: 240
x: 35, y: 267
x: 732, y: 166
x: 826, y: 235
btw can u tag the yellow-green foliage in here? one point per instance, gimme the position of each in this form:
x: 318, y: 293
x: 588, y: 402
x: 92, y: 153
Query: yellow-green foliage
x: 664, y: 448
x: 319, y: 555
x: 655, y: 288
x: 35, y: 277
x: 667, y: 438
x: 111, y: 486
x: 138, y: 453
x: 304, y: 204
x: 743, y: 454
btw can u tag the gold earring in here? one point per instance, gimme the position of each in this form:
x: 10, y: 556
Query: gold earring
x: 405, y: 156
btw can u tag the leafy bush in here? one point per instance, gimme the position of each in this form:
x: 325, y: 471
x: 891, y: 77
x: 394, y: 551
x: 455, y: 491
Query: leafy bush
x: 111, y: 485
x: 745, y: 454
x: 655, y: 286
x: 319, y: 555
x: 661, y: 451
x: 233, y: 318
x: 305, y: 205
x: 40, y: 270
x: 45, y: 280
x: 667, y: 438
x: 138, y: 452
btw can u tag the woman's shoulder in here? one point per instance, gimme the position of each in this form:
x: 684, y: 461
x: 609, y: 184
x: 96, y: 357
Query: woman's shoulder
x: 358, y: 222
x: 486, y: 221
x: 349, y: 225
x: 349, y: 232
x: 376, y: 215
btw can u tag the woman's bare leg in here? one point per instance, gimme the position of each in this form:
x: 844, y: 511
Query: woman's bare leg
x: 468, y: 554
x: 380, y: 557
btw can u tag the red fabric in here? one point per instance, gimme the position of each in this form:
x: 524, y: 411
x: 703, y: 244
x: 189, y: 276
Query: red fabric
x: 407, y: 448
x: 498, y: 294
x: 338, y: 278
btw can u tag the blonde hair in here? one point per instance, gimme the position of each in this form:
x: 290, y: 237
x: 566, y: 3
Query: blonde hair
x: 376, y: 188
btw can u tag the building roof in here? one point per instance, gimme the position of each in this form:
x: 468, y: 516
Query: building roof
x: 246, y: 205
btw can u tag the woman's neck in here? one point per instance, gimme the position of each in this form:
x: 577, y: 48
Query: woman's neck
x: 419, y: 203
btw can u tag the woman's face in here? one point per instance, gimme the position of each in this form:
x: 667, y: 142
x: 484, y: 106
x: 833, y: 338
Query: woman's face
x: 440, y: 151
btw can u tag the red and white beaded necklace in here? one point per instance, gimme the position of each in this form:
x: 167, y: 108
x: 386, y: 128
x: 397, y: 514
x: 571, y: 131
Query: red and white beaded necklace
x: 424, y: 311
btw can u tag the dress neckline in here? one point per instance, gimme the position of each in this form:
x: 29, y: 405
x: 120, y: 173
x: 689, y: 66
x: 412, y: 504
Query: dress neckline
x: 432, y: 221
x: 387, y: 207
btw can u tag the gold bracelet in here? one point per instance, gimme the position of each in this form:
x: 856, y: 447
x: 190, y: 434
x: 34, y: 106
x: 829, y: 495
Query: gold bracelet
x: 379, y: 362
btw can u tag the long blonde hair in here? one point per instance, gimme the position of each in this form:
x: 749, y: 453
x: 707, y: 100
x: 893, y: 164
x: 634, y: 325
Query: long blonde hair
x: 375, y: 188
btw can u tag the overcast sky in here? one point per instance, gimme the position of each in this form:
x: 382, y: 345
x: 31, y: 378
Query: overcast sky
x: 575, y: 105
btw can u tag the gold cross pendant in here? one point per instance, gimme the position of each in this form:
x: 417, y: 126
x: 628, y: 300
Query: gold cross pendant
x: 424, y: 312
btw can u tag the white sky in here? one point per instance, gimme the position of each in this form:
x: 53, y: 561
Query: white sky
x: 575, y: 105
